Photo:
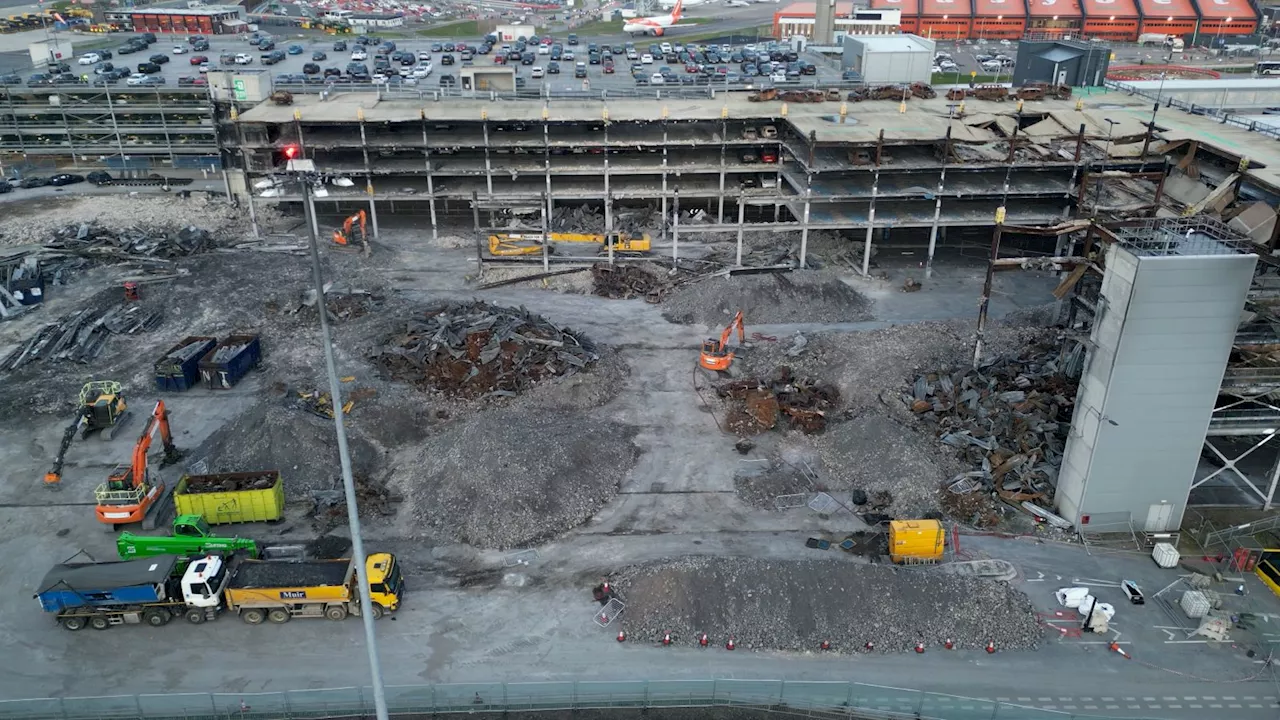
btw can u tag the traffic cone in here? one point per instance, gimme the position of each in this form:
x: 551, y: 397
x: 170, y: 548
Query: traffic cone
x: 826, y: 645
x: 1116, y: 646
x: 666, y: 639
x: 991, y: 647
x: 604, y: 618
x: 730, y: 645
x: 948, y: 644
x: 869, y: 646
x: 622, y: 636
x: 702, y: 640
x: 920, y: 648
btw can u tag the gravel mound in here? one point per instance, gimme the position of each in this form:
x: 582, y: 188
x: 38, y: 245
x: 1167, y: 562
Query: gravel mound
x: 513, y: 476
x: 802, y: 296
x: 795, y: 605
x: 35, y: 222
x: 271, y: 436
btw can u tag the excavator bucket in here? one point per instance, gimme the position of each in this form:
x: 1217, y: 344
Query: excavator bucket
x: 339, y: 238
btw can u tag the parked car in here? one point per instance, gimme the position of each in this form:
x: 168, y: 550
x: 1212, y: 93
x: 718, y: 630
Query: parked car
x: 148, y: 68
x: 553, y: 68
x: 340, y: 46
x: 199, y: 59
x: 447, y: 80
x: 138, y: 78
x: 295, y: 49
x: 10, y: 79
x: 103, y: 69
x: 311, y: 69
x: 180, y: 49
x: 159, y: 58
x: 92, y: 58
x: 32, y: 181
x: 5, y: 187
x: 200, y: 46
x: 536, y: 72
x: 319, y: 55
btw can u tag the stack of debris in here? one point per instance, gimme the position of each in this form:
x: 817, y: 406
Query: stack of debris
x: 230, y: 482
x: 329, y: 507
x: 90, y: 239
x: 342, y: 302
x: 587, y: 219
x: 80, y: 335
x: 755, y: 403
x: 627, y: 281
x: 476, y: 350
x: 320, y: 403
x: 1008, y: 419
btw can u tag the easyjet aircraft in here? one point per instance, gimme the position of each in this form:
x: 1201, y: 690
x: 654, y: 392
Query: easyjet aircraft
x: 654, y: 25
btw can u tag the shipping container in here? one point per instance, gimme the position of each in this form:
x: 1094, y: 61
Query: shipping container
x: 177, y: 376
x: 220, y: 370
x: 916, y: 541
x: 231, y: 497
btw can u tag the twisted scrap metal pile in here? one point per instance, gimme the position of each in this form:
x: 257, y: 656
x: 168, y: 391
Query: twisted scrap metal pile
x: 755, y: 403
x: 1008, y: 419
x: 476, y: 350
x: 90, y: 239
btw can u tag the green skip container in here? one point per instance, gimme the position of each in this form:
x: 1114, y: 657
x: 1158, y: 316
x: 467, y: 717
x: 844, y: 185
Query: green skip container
x: 231, y: 497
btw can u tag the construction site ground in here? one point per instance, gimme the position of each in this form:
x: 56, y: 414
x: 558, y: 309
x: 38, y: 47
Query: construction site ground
x: 676, y: 498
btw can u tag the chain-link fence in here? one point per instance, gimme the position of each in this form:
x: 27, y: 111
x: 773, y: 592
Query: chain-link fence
x: 829, y: 699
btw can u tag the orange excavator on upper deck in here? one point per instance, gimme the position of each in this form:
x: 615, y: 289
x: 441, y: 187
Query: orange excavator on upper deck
x: 343, y: 237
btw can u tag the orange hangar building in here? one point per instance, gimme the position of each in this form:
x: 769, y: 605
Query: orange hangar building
x: 999, y: 19
x: 1197, y: 21
x: 1054, y: 19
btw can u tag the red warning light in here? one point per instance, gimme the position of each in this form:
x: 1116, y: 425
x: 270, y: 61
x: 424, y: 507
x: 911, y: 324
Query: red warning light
x: 290, y: 152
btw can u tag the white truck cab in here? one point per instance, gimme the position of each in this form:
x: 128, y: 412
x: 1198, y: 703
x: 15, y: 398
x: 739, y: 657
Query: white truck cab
x: 202, y: 586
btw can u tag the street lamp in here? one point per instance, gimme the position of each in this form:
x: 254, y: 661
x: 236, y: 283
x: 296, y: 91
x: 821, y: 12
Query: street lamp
x: 304, y: 171
x: 1155, y: 107
x: 1218, y: 36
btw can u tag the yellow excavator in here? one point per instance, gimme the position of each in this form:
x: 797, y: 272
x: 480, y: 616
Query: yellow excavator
x: 102, y: 409
x: 510, y: 244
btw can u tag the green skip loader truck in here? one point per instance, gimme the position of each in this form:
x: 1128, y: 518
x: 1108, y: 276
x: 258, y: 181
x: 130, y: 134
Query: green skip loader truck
x: 191, y: 537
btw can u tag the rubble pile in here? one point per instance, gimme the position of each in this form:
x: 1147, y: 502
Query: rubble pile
x: 588, y: 219
x: 755, y: 404
x: 80, y: 335
x: 329, y: 507
x: 201, y: 484
x: 475, y: 350
x: 94, y: 240
x: 511, y: 476
x: 802, y: 296
x: 1007, y: 420
x: 620, y: 282
x: 343, y: 303
x: 796, y: 605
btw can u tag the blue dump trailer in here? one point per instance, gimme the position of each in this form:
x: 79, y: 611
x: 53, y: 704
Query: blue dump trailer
x: 178, y: 369
x: 229, y: 361
x: 102, y: 594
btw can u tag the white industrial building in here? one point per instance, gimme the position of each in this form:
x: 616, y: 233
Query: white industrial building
x: 890, y: 59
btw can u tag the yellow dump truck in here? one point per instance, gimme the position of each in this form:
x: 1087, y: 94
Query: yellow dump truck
x: 261, y: 590
x: 531, y: 243
x: 916, y: 541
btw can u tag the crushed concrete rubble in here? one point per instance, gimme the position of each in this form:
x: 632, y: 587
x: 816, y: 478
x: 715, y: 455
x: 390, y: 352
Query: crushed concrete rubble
x: 1007, y: 420
x: 588, y: 219
x: 35, y: 224
x: 797, y: 605
x: 329, y: 507
x: 96, y: 241
x: 755, y: 404
x: 621, y: 282
x: 80, y: 335
x: 510, y: 476
x: 201, y: 484
x: 343, y: 303
x: 801, y: 296
x: 476, y: 350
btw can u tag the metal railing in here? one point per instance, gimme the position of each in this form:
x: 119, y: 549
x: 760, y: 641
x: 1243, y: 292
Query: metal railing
x: 1226, y: 118
x: 812, y: 698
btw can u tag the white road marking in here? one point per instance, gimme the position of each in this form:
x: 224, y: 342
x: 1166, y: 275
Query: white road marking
x: 1113, y: 707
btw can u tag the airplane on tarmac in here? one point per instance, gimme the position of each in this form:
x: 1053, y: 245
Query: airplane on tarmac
x: 668, y: 4
x: 655, y: 25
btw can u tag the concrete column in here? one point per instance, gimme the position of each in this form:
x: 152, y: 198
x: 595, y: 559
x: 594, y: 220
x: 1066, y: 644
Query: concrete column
x: 488, y: 165
x: 664, y: 179
x: 675, y: 227
x: 546, y: 240
x: 871, y: 226
x: 373, y: 216
x: 804, y: 224
x: 724, y: 131
x: 1271, y: 487
x: 742, y: 211
x: 431, y: 186
x: 933, y: 229
x: 608, y: 225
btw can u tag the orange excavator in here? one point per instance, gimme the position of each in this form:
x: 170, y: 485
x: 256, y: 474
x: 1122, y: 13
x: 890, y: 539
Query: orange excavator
x: 129, y: 492
x: 343, y: 237
x: 716, y: 355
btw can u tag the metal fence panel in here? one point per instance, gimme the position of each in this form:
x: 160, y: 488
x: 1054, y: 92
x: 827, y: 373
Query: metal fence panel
x: 192, y: 705
x: 40, y: 709
x: 748, y: 692
x: 594, y: 693
x: 117, y: 706
x: 680, y: 693
x: 819, y: 693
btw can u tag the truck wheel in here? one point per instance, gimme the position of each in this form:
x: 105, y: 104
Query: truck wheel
x: 99, y: 622
x: 73, y: 623
x: 278, y: 616
x: 335, y: 612
x: 195, y: 617
x: 376, y: 611
x: 253, y: 616
x: 156, y: 618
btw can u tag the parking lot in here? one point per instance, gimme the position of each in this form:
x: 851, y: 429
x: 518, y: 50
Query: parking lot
x: 297, y: 62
